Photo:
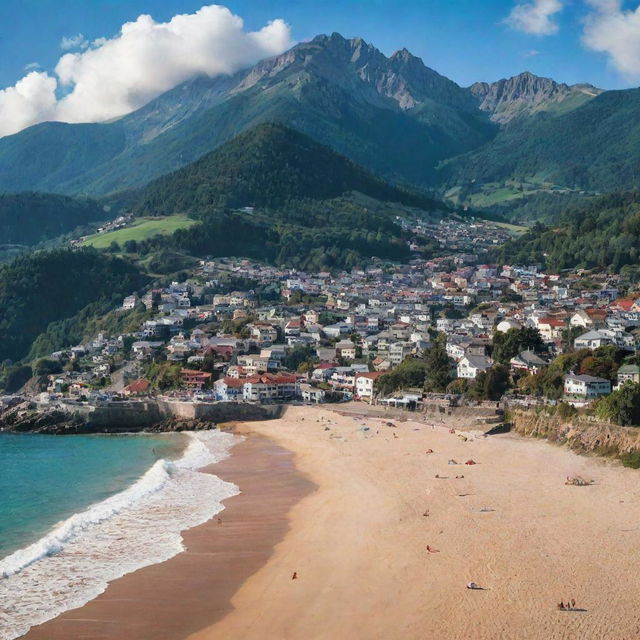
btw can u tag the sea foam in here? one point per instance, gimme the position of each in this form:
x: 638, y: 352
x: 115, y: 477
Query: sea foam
x: 137, y: 527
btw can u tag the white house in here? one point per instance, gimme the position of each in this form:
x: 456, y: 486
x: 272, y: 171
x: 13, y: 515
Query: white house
x: 365, y: 383
x: 470, y: 366
x: 586, y: 386
x: 228, y: 389
x: 506, y: 324
x: 592, y: 340
x: 628, y: 373
x: 311, y: 394
x: 129, y: 302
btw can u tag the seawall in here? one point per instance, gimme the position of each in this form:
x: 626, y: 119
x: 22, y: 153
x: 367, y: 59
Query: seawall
x: 135, y: 415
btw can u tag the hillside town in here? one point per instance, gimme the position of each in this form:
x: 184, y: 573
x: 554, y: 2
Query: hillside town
x: 238, y: 331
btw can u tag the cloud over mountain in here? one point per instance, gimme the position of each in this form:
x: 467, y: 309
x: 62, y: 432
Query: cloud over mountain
x: 114, y: 76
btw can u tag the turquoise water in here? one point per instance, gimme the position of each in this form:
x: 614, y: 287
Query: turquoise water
x: 46, y: 479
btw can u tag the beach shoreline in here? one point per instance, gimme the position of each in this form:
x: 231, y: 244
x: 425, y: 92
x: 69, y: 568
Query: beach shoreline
x: 191, y: 590
x: 348, y: 504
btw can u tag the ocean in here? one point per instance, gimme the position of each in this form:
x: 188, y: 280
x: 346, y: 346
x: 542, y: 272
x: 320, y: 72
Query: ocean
x: 79, y: 511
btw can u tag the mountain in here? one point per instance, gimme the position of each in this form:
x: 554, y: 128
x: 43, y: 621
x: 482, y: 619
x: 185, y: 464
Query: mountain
x: 602, y: 232
x: 268, y: 166
x: 593, y: 147
x: 274, y: 194
x: 31, y: 218
x: 392, y: 115
x: 526, y: 94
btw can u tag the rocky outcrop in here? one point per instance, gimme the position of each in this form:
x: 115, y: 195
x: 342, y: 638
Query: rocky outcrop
x: 527, y: 94
x: 581, y: 434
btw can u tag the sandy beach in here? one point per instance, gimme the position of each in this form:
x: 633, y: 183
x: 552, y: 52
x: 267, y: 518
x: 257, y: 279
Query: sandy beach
x: 358, y: 543
x: 353, y: 519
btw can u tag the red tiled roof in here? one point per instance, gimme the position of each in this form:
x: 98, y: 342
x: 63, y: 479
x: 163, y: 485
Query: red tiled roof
x: 372, y: 375
x: 137, y: 386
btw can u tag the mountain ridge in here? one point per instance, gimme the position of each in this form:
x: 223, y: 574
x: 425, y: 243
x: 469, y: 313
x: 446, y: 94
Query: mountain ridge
x: 527, y: 94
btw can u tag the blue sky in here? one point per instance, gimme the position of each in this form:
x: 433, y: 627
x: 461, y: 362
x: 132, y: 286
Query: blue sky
x: 465, y: 40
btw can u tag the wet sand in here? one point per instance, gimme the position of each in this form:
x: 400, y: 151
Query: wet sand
x: 173, y: 599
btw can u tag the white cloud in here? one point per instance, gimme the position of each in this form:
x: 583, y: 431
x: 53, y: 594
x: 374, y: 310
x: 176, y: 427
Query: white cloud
x: 32, y: 66
x: 74, y: 42
x: 30, y: 100
x: 615, y: 31
x: 115, y: 76
x: 532, y: 53
x: 535, y: 17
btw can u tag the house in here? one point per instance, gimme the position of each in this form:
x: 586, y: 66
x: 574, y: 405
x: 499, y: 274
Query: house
x: 398, y: 351
x: 264, y: 334
x: 346, y: 349
x: 194, y: 379
x: 228, y: 389
x: 365, y: 383
x: 470, y: 366
x: 507, y: 324
x: 137, y: 388
x: 628, y: 373
x: 381, y: 364
x: 586, y: 386
x: 270, y: 387
x: 312, y: 394
x: 293, y: 327
x: 130, y: 302
x: 588, y: 318
x: 592, y: 340
x: 527, y: 361
x: 551, y: 328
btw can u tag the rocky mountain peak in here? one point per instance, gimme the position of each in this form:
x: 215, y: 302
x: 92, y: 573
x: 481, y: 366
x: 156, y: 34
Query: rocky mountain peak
x: 526, y: 94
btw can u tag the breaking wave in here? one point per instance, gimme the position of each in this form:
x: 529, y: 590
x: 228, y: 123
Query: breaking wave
x: 139, y: 526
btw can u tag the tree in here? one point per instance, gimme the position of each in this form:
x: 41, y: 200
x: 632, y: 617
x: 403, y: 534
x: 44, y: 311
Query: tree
x: 114, y: 247
x: 14, y: 377
x: 299, y: 355
x: 510, y: 344
x: 492, y: 383
x: 409, y: 373
x: 622, y: 406
x: 131, y: 246
x: 45, y: 367
x: 438, y: 369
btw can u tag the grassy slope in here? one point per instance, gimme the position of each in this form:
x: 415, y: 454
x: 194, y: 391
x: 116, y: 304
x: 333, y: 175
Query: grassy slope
x: 142, y: 229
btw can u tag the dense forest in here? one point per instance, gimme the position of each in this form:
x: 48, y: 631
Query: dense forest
x: 31, y: 218
x: 602, y: 232
x: 45, y: 287
x: 268, y: 166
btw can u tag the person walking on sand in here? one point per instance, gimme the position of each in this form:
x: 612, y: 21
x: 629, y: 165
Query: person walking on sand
x: 295, y: 575
x: 573, y: 603
x: 561, y: 606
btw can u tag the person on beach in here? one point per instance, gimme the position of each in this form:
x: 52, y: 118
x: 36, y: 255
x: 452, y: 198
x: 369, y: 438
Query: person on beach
x: 561, y: 606
x: 573, y: 603
x: 295, y: 575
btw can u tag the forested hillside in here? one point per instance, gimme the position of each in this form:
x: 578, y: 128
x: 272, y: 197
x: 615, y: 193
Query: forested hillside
x: 269, y: 166
x: 31, y: 218
x: 594, y: 147
x: 47, y: 286
x: 602, y: 232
